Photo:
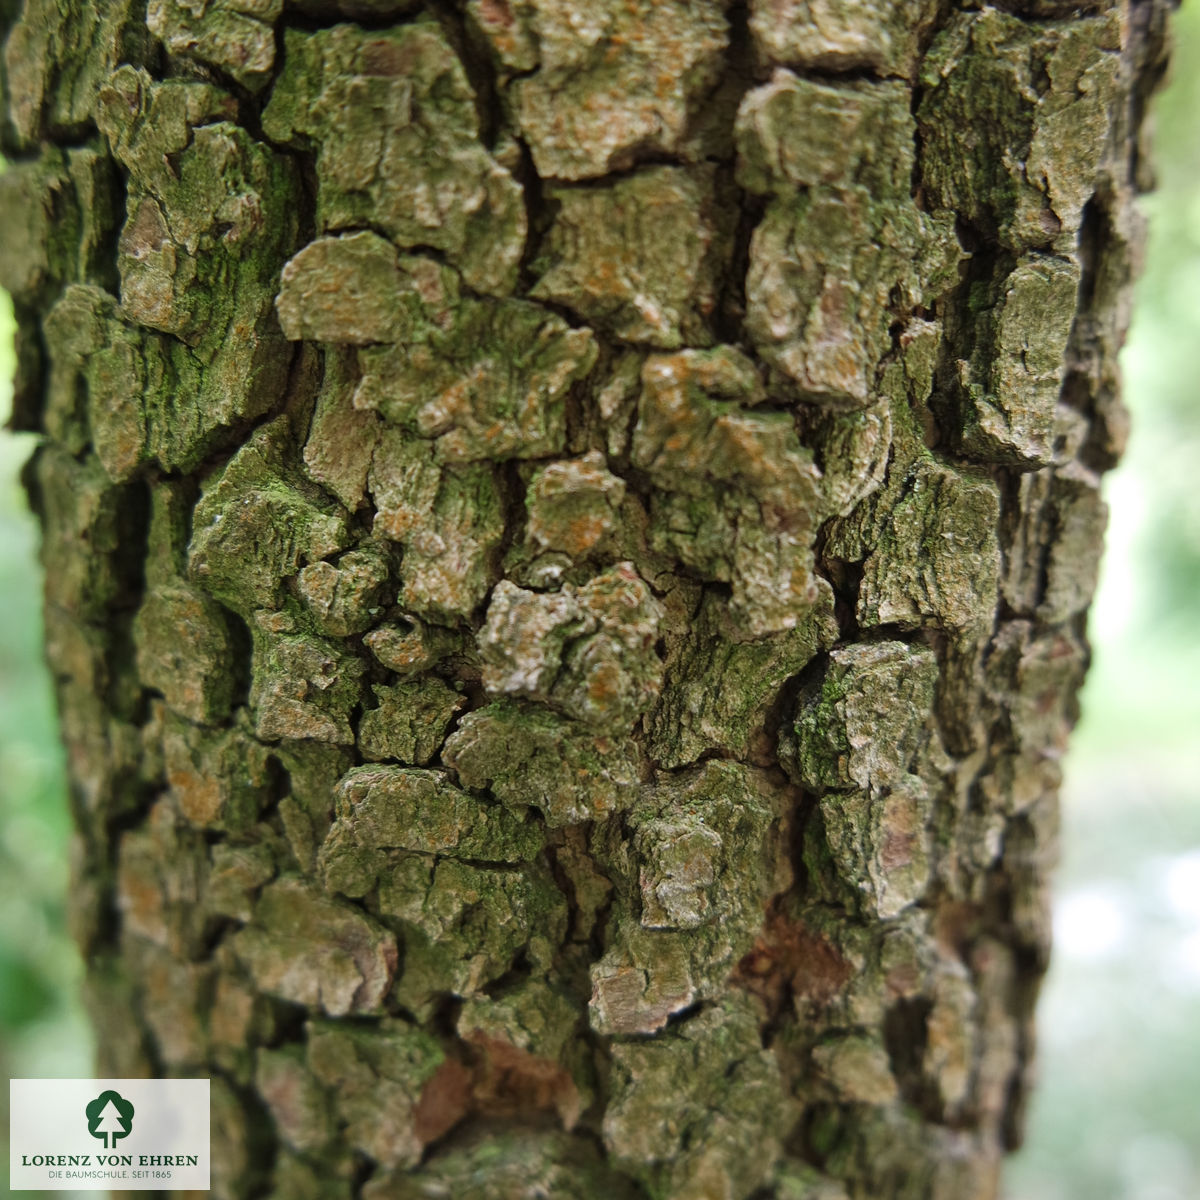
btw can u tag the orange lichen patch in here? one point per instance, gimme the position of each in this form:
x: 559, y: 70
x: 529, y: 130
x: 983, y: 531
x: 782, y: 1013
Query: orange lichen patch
x: 232, y: 1013
x: 583, y: 533
x: 189, y: 693
x: 200, y: 799
x: 789, y: 961
x: 444, y: 1101
x: 614, y: 77
x: 406, y: 651
x: 140, y: 900
x: 604, y: 683
x: 573, y: 504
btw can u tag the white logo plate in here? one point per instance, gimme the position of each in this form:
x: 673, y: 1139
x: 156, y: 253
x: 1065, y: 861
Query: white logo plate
x: 96, y: 1134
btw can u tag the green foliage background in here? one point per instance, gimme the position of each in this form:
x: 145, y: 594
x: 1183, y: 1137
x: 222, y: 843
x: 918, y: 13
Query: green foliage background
x: 1117, y: 1115
x: 42, y: 1028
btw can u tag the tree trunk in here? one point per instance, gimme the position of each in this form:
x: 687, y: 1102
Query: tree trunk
x: 568, y: 530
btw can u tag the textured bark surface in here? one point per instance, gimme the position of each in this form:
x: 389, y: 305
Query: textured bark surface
x: 568, y: 530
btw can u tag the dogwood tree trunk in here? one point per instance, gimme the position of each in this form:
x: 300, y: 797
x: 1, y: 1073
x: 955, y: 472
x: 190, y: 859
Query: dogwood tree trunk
x: 568, y: 527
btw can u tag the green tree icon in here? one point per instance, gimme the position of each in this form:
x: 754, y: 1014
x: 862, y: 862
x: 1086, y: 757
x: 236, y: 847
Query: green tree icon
x: 109, y: 1116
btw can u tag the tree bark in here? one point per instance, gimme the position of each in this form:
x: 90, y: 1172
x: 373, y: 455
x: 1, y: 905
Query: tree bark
x: 568, y: 529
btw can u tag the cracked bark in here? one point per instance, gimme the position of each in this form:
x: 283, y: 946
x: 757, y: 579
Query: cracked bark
x: 568, y: 531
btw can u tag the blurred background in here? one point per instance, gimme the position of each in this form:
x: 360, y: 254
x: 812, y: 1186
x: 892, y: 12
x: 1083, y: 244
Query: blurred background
x: 1117, y: 1113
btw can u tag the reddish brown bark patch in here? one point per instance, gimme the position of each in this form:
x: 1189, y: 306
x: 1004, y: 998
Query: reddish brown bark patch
x: 445, y: 1100
x: 501, y: 1080
x: 510, y: 1081
x: 790, y: 961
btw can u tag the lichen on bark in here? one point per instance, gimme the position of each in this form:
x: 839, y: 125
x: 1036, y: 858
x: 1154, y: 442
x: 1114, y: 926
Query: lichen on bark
x: 568, y: 531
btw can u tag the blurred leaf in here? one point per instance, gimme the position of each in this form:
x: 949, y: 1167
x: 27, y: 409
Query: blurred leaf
x: 25, y: 996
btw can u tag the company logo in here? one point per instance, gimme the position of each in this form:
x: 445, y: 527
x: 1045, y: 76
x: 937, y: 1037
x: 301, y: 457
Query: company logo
x: 68, y: 1134
x: 109, y: 1117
